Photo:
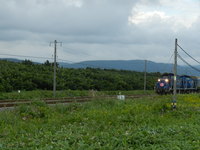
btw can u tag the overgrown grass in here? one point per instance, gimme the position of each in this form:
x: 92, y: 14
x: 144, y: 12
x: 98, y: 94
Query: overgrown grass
x: 147, y: 123
x: 39, y: 94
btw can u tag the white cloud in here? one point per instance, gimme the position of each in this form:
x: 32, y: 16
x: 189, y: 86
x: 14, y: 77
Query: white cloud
x: 180, y: 13
x: 99, y: 29
x: 143, y: 17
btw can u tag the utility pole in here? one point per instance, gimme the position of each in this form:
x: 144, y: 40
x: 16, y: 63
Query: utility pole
x: 145, y: 75
x: 54, y: 75
x: 175, y: 75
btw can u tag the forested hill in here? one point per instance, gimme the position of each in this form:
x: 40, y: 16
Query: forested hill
x: 27, y: 75
x: 130, y: 65
x: 133, y: 65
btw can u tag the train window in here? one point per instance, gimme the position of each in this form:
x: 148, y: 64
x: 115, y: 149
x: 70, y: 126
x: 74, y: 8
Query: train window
x: 164, y: 77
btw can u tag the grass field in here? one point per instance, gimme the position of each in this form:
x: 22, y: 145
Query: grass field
x: 40, y: 94
x: 104, y: 124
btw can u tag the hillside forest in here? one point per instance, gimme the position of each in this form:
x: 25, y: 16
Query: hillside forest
x: 28, y: 76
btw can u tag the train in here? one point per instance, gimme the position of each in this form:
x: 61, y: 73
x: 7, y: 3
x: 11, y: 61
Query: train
x: 184, y: 84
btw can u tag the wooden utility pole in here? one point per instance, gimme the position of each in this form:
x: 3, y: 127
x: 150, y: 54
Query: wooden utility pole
x: 175, y: 76
x: 54, y: 75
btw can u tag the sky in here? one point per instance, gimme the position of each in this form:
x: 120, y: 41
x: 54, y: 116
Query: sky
x: 100, y: 29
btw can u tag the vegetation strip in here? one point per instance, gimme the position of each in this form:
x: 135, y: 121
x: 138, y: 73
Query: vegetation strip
x: 147, y: 123
x: 29, y: 76
x: 11, y: 103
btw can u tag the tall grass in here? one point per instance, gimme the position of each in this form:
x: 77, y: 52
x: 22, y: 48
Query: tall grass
x: 40, y: 94
x: 147, y: 123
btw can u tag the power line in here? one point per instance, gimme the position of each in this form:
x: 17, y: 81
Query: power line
x: 83, y: 53
x: 188, y: 54
x: 63, y: 60
x: 170, y: 58
x: 168, y: 62
x: 198, y: 70
x: 84, y: 64
x: 26, y: 56
x: 68, y: 61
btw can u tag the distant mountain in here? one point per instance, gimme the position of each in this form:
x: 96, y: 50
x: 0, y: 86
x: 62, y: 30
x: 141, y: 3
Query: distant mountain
x: 134, y: 65
x: 17, y: 60
x: 11, y: 59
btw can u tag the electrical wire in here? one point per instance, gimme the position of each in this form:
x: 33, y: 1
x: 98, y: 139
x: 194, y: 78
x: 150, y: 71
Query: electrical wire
x: 188, y: 54
x: 196, y: 69
x: 25, y: 56
x: 170, y: 58
x: 63, y: 60
x: 85, y: 64
x: 80, y: 52
x: 168, y: 62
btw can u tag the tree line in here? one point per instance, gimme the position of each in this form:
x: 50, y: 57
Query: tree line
x: 27, y: 75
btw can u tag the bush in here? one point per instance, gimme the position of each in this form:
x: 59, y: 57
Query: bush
x: 37, y: 109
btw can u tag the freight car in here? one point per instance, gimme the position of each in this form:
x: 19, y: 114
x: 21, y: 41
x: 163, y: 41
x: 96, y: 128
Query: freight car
x: 185, y: 84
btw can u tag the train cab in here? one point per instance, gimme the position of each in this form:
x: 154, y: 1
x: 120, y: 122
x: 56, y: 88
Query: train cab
x: 184, y: 84
x: 164, y: 84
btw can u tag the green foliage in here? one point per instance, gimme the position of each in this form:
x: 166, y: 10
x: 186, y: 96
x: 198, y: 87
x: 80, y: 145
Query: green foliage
x: 42, y: 94
x: 37, y: 109
x: 29, y: 76
x: 146, y: 123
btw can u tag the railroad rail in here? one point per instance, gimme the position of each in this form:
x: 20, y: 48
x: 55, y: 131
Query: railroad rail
x: 16, y: 102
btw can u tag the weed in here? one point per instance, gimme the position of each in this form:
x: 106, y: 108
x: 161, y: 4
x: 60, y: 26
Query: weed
x: 103, y: 124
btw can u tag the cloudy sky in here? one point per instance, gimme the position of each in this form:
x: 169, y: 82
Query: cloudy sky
x: 100, y: 29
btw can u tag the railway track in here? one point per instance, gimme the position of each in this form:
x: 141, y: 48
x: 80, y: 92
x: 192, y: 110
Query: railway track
x: 12, y: 103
